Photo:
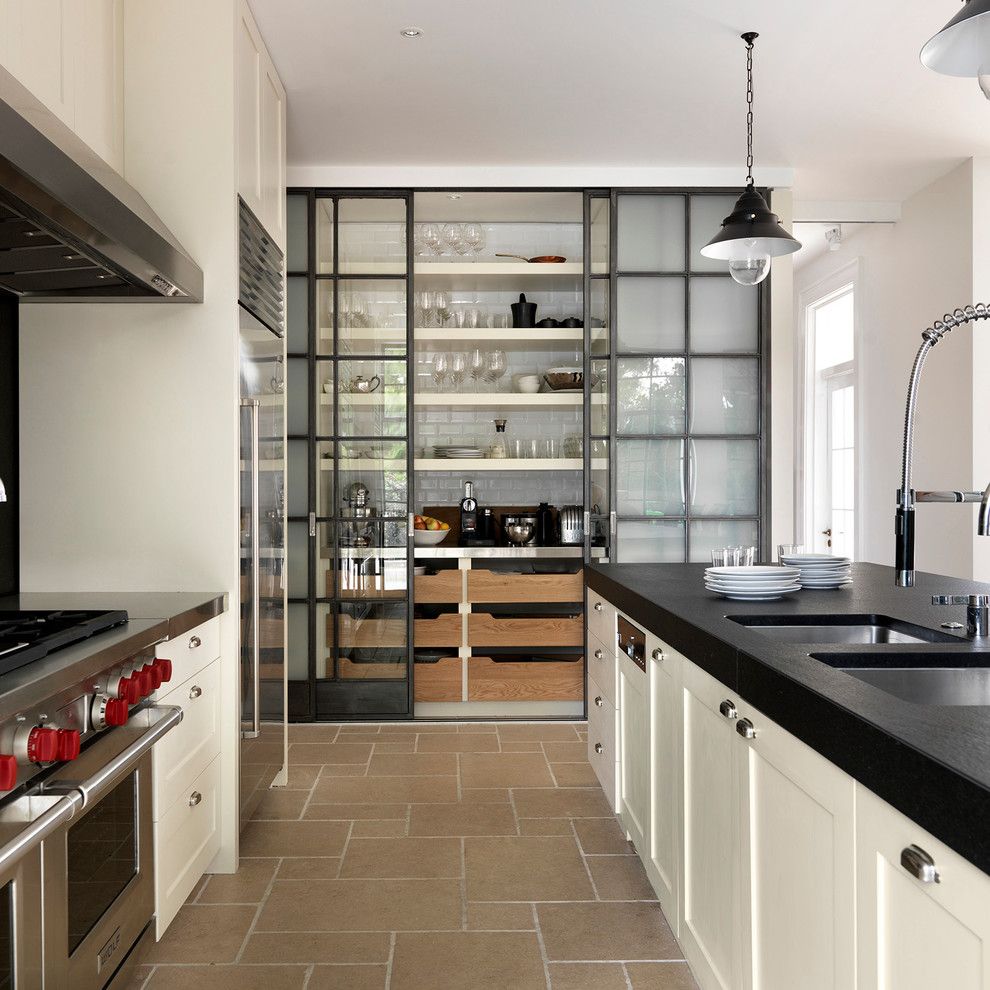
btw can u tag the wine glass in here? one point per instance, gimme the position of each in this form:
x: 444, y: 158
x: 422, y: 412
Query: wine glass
x: 440, y: 367
x: 453, y: 239
x: 432, y: 238
x: 441, y: 303
x: 495, y: 367
x: 474, y: 237
x: 477, y: 366
x: 422, y: 300
x: 457, y: 368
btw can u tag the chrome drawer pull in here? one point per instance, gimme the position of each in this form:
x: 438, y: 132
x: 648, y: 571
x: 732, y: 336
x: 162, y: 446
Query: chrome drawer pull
x: 194, y: 799
x: 194, y: 642
x: 745, y: 728
x: 919, y: 864
x: 599, y: 748
x: 599, y: 655
x: 598, y: 606
x: 599, y: 702
x: 728, y: 709
x: 194, y: 692
x: 658, y: 655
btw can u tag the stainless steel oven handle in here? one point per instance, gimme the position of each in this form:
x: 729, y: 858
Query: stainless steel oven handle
x: 47, y: 822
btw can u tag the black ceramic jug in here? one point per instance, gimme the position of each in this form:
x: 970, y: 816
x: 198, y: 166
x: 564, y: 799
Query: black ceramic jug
x: 523, y: 313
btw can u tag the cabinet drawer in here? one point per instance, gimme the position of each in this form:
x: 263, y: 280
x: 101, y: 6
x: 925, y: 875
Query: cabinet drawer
x: 440, y: 680
x: 602, y: 733
x: 498, y: 630
x: 525, y: 680
x: 442, y: 588
x: 190, y: 652
x: 498, y: 586
x: 444, y: 630
x: 191, y: 746
x: 186, y: 840
x: 601, y: 618
x: 602, y: 666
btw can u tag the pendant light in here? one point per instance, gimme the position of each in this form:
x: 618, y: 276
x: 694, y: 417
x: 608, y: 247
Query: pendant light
x: 962, y: 47
x: 751, y: 235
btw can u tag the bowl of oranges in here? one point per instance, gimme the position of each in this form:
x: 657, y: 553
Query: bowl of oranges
x: 429, y: 532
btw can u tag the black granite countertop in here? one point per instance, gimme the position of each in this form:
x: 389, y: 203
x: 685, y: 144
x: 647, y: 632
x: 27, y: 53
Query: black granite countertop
x: 930, y: 762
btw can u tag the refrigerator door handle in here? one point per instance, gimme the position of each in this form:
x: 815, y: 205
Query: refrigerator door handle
x: 255, y: 407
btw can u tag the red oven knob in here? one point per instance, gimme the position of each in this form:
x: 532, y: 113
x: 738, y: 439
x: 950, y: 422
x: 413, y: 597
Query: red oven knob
x: 68, y: 744
x: 8, y: 772
x: 165, y: 666
x: 42, y: 745
x: 154, y: 675
x: 128, y: 690
x: 115, y: 712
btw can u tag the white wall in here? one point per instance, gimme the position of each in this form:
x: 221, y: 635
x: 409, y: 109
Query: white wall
x: 911, y: 273
x: 129, y: 413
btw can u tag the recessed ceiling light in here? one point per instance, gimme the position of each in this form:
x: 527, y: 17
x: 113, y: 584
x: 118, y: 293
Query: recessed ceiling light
x: 411, y: 32
x: 453, y: 195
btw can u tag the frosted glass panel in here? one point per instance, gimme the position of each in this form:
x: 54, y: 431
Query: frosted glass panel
x: 650, y: 314
x: 710, y: 534
x: 646, y: 541
x: 298, y: 553
x: 725, y: 395
x: 298, y: 478
x: 707, y: 214
x: 599, y: 316
x: 599, y: 398
x: 724, y: 315
x: 599, y: 234
x: 650, y: 395
x: 297, y: 316
x: 371, y: 235
x: 297, y: 660
x: 650, y: 477
x: 297, y: 233
x: 724, y: 477
x: 297, y: 396
x: 651, y: 234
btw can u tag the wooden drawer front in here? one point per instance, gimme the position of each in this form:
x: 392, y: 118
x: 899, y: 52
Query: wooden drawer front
x: 440, y: 681
x: 527, y: 680
x: 373, y: 632
x: 602, y: 667
x: 496, y: 586
x: 350, y: 670
x: 443, y: 588
x: 186, y: 840
x: 190, y: 652
x: 444, y: 630
x: 602, y: 732
x: 601, y: 617
x: 192, y: 745
x: 497, y: 630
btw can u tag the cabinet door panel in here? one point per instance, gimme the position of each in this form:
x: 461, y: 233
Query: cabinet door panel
x: 248, y: 60
x: 634, y: 753
x: 99, y: 78
x: 271, y: 110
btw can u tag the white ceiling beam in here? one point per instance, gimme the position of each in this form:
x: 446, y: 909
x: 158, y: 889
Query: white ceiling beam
x: 838, y: 211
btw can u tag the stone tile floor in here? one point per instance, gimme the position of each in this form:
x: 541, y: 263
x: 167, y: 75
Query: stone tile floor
x: 427, y: 857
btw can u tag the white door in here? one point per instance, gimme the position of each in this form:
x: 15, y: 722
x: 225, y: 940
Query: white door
x: 797, y: 833
x: 914, y: 935
x: 634, y: 752
x: 709, y: 827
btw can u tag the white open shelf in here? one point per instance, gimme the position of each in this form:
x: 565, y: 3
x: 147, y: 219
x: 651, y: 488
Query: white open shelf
x: 516, y: 338
x: 472, y: 464
x: 517, y: 276
x: 505, y: 400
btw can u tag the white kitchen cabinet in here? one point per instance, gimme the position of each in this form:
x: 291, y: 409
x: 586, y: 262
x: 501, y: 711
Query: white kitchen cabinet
x: 634, y: 752
x: 260, y: 128
x: 603, y: 748
x: 913, y: 935
x: 601, y: 616
x: 602, y: 666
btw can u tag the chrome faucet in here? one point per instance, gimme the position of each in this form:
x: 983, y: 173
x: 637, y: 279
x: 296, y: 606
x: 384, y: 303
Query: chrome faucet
x: 907, y: 497
x: 977, y: 612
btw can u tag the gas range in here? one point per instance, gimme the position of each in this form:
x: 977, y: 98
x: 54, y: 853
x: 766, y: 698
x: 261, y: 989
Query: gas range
x: 29, y: 636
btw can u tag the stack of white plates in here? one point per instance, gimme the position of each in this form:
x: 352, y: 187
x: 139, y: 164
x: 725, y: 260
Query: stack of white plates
x: 821, y: 570
x: 456, y: 453
x: 753, y: 584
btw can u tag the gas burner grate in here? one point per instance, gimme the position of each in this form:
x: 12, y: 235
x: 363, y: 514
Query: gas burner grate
x: 31, y: 635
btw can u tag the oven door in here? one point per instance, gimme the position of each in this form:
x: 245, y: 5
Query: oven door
x: 99, y: 894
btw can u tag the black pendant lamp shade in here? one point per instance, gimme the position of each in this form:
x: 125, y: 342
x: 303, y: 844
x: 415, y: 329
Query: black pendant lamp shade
x: 962, y: 47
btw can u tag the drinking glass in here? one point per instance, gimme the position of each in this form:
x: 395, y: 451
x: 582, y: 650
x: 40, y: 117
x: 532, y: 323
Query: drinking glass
x: 432, y: 238
x: 457, y: 369
x: 495, y: 367
x: 420, y: 247
x: 787, y: 550
x: 460, y: 319
x: 474, y: 237
x: 477, y: 365
x: 453, y: 239
x: 441, y: 303
x: 500, y: 321
x: 441, y: 364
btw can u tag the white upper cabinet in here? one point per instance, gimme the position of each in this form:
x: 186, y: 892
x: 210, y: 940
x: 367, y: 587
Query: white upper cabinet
x: 260, y: 129
x: 69, y: 54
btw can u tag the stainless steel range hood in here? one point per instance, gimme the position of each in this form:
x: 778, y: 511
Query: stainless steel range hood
x: 71, y: 228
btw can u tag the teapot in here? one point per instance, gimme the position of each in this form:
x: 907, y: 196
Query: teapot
x: 363, y: 385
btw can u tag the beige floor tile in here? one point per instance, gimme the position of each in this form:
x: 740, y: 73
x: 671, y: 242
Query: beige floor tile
x: 397, y: 746
x: 566, y: 752
x: 660, y: 976
x: 461, y: 742
x: 385, y: 790
x: 479, y: 960
x: 344, y: 770
x: 620, y: 878
x: 573, y: 774
x: 545, y: 826
x: 227, y: 978
x: 281, y: 804
x: 472, y: 727
x: 505, y: 770
x: 525, y: 868
x: 317, y: 947
x: 207, y: 933
x: 141, y: 976
x: 413, y: 764
x: 247, y: 886
x: 606, y: 931
x: 510, y: 746
x: 587, y: 976
x: 430, y: 858
x: 348, y: 978
x: 309, y: 868
x: 362, y: 905
x: 462, y: 819
x: 293, y: 839
x: 401, y: 728
x: 357, y: 728
x: 496, y: 917
x: 371, y: 736
x: 602, y: 836
x: 302, y: 778
x: 485, y: 795
x: 553, y: 731
x: 338, y: 752
x: 563, y: 802
x: 356, y: 812
x: 302, y: 732
x: 391, y: 828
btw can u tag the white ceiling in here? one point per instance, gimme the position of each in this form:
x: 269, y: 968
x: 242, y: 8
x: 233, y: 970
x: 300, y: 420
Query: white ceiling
x: 840, y: 93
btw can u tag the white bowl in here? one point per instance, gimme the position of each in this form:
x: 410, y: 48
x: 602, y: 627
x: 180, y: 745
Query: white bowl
x: 429, y: 537
x: 529, y: 387
x: 328, y: 388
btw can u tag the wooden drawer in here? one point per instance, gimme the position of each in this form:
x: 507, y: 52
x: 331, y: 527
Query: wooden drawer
x: 439, y: 681
x: 602, y: 728
x: 526, y: 680
x: 186, y: 841
x: 373, y: 632
x: 498, y: 630
x: 444, y: 630
x: 445, y: 587
x: 601, y: 617
x: 185, y: 752
x: 602, y: 667
x: 497, y: 586
x: 190, y: 652
x: 349, y: 670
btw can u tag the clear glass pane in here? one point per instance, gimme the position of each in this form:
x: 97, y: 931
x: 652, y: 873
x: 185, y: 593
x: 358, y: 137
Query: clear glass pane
x: 650, y: 314
x: 297, y: 316
x: 371, y: 235
x: 298, y: 650
x: 599, y: 398
x: 649, y: 476
x: 707, y: 214
x: 599, y: 316
x: 651, y: 234
x: 711, y: 534
x: 381, y: 469
x: 599, y: 234
x: 324, y: 236
x: 297, y: 396
x: 371, y: 398
x: 833, y: 331
x: 297, y: 551
x: 296, y: 233
x: 372, y: 316
x: 649, y: 541
x: 297, y: 472
x: 325, y: 557
x: 325, y: 392
x: 599, y: 483
x: 650, y: 395
x: 325, y: 504
x: 325, y: 624
x: 724, y: 477
x: 373, y: 641
x: 725, y: 395
x: 725, y: 316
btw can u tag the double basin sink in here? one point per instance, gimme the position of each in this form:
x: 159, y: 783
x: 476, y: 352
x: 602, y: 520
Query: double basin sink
x: 943, y: 678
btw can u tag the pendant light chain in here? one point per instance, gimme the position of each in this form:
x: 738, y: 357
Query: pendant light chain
x: 749, y: 112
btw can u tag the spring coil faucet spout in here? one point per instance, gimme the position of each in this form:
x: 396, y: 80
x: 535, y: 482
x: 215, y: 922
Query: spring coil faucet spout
x: 907, y: 497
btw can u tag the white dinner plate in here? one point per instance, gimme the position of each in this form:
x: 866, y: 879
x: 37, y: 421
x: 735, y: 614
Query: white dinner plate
x: 813, y: 559
x: 824, y: 586
x: 752, y: 585
x: 751, y: 573
x: 766, y: 596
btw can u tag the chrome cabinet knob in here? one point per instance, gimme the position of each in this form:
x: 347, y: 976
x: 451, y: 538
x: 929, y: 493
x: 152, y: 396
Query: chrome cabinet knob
x: 195, y: 692
x: 194, y: 799
x: 194, y: 642
x: 599, y: 655
x: 599, y: 702
x: 598, y: 606
x: 919, y: 864
x: 658, y: 655
x: 599, y: 748
x: 746, y: 729
x: 728, y: 709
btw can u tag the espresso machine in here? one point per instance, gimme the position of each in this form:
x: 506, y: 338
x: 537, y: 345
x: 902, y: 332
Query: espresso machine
x: 360, y: 518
